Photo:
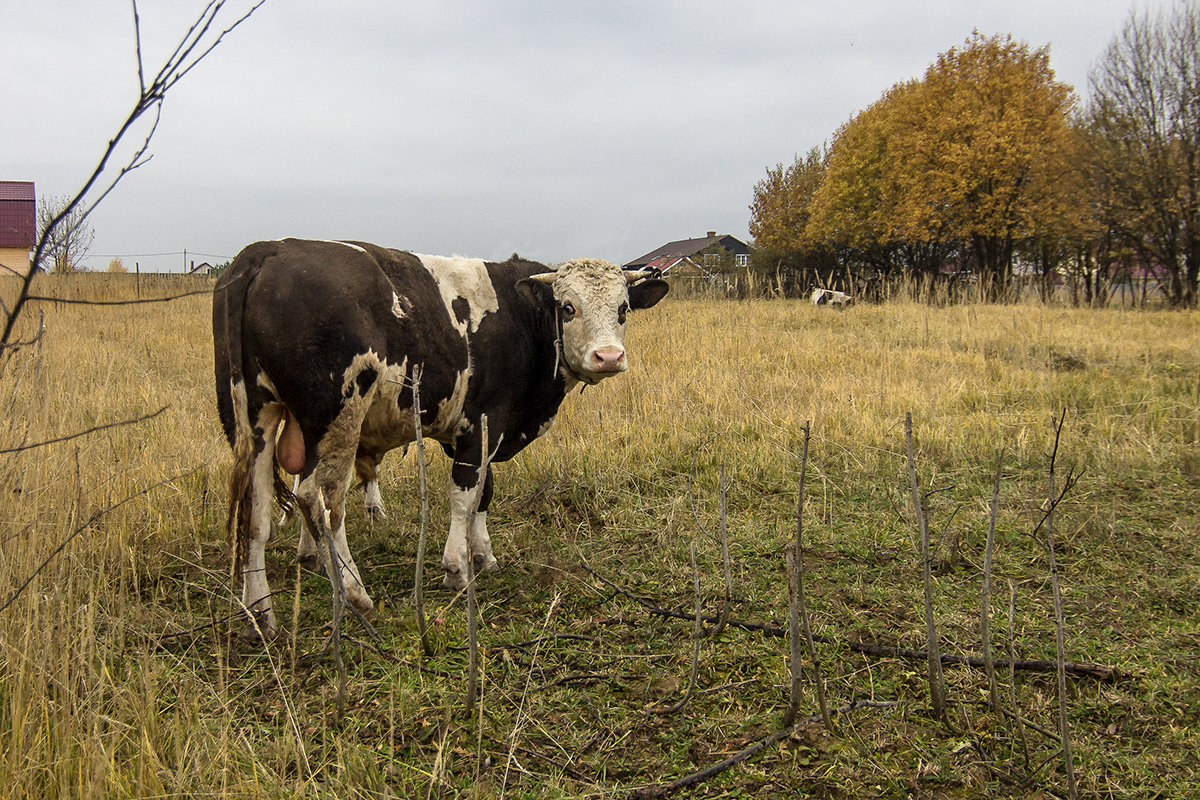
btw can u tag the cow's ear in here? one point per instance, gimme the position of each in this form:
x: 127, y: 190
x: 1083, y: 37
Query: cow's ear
x: 537, y: 292
x: 647, y: 293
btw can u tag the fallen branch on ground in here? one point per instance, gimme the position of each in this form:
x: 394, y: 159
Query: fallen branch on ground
x: 664, y: 789
x: 1098, y: 672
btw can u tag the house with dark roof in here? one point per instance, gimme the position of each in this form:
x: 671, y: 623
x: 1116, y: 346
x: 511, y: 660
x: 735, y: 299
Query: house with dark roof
x: 18, y: 226
x: 705, y: 255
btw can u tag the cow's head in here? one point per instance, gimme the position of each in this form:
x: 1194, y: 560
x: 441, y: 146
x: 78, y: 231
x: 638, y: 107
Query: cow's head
x: 591, y: 299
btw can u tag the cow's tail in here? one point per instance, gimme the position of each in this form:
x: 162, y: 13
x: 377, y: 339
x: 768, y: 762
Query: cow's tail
x: 229, y: 298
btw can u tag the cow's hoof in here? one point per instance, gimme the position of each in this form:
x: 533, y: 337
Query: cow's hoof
x: 486, y: 564
x: 375, y: 511
x: 454, y: 580
x: 260, y: 632
x: 361, y: 602
x: 308, y: 560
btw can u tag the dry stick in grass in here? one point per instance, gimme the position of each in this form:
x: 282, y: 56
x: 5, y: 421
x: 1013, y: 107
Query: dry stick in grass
x: 83, y: 527
x: 77, y: 434
x: 1068, y: 761
x: 422, y: 536
x: 727, y: 609
x: 985, y: 615
x: 522, y: 714
x: 335, y: 631
x: 798, y: 610
x: 1012, y: 672
x: 936, y: 695
x: 722, y: 492
x: 485, y: 460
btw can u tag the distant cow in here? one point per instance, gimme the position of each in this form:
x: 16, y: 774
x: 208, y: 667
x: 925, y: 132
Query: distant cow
x: 316, y: 344
x: 821, y: 297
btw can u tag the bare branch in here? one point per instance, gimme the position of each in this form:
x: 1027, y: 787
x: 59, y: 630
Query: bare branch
x: 1100, y: 672
x: 80, y: 529
x: 191, y: 50
x: 1059, y: 625
x: 74, y: 301
x: 985, y: 614
x: 94, y: 429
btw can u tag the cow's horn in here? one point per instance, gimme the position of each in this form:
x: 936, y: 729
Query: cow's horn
x: 637, y: 275
x: 544, y: 277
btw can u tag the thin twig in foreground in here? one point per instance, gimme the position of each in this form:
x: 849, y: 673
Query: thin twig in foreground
x: 1059, y: 625
x: 423, y: 534
x: 937, y: 697
x: 90, y: 520
x: 77, y: 434
x: 75, y: 301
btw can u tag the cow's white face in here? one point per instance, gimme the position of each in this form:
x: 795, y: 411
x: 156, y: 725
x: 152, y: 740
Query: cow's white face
x: 593, y: 298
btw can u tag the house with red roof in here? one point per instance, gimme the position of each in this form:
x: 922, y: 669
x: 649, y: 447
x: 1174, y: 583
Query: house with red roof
x: 702, y: 255
x: 18, y: 226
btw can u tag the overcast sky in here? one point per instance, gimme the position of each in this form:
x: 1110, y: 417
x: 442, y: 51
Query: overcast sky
x: 554, y: 129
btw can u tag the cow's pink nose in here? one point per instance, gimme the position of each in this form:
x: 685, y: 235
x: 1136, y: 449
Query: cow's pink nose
x: 608, y: 360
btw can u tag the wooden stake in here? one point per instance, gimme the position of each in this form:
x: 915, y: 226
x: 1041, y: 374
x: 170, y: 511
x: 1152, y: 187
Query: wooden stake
x: 1059, y: 636
x: 985, y: 614
x: 422, y: 536
x: 937, y: 697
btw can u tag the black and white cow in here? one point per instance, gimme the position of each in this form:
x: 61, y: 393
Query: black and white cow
x: 316, y: 344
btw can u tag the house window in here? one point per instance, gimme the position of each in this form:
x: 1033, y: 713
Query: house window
x: 741, y: 260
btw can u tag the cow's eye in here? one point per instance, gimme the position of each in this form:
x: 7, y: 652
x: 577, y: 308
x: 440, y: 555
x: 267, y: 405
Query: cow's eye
x: 568, y: 310
x: 621, y: 313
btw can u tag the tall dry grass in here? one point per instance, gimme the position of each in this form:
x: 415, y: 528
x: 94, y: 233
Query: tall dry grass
x: 94, y: 702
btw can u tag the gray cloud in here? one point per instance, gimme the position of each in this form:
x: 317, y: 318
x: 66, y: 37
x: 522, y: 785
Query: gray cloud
x: 554, y: 129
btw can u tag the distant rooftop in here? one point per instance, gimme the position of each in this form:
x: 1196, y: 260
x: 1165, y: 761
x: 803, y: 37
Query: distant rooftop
x: 18, y: 214
x: 16, y: 190
x: 685, y: 248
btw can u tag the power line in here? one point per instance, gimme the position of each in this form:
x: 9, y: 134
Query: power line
x: 155, y: 255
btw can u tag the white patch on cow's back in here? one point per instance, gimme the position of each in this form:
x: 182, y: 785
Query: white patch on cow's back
x: 397, y: 307
x: 466, y: 278
x: 344, y: 244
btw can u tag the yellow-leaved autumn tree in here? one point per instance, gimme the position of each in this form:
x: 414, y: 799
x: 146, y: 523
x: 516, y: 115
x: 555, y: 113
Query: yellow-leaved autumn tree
x: 976, y: 159
x: 985, y: 151
x: 780, y: 210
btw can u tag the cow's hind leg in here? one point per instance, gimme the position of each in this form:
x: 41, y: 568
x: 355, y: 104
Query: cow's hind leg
x: 366, y: 466
x: 321, y: 517
x: 329, y: 470
x: 256, y: 591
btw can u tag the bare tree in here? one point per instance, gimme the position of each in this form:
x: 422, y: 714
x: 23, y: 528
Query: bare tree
x: 1144, y: 129
x: 66, y: 242
x: 207, y: 31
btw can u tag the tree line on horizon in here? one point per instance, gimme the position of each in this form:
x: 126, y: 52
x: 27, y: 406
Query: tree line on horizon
x: 989, y: 174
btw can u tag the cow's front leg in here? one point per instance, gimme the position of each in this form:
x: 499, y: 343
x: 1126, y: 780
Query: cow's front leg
x: 481, y: 543
x: 466, y: 521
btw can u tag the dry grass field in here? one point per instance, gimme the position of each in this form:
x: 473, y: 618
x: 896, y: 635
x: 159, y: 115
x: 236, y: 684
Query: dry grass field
x: 121, y: 675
